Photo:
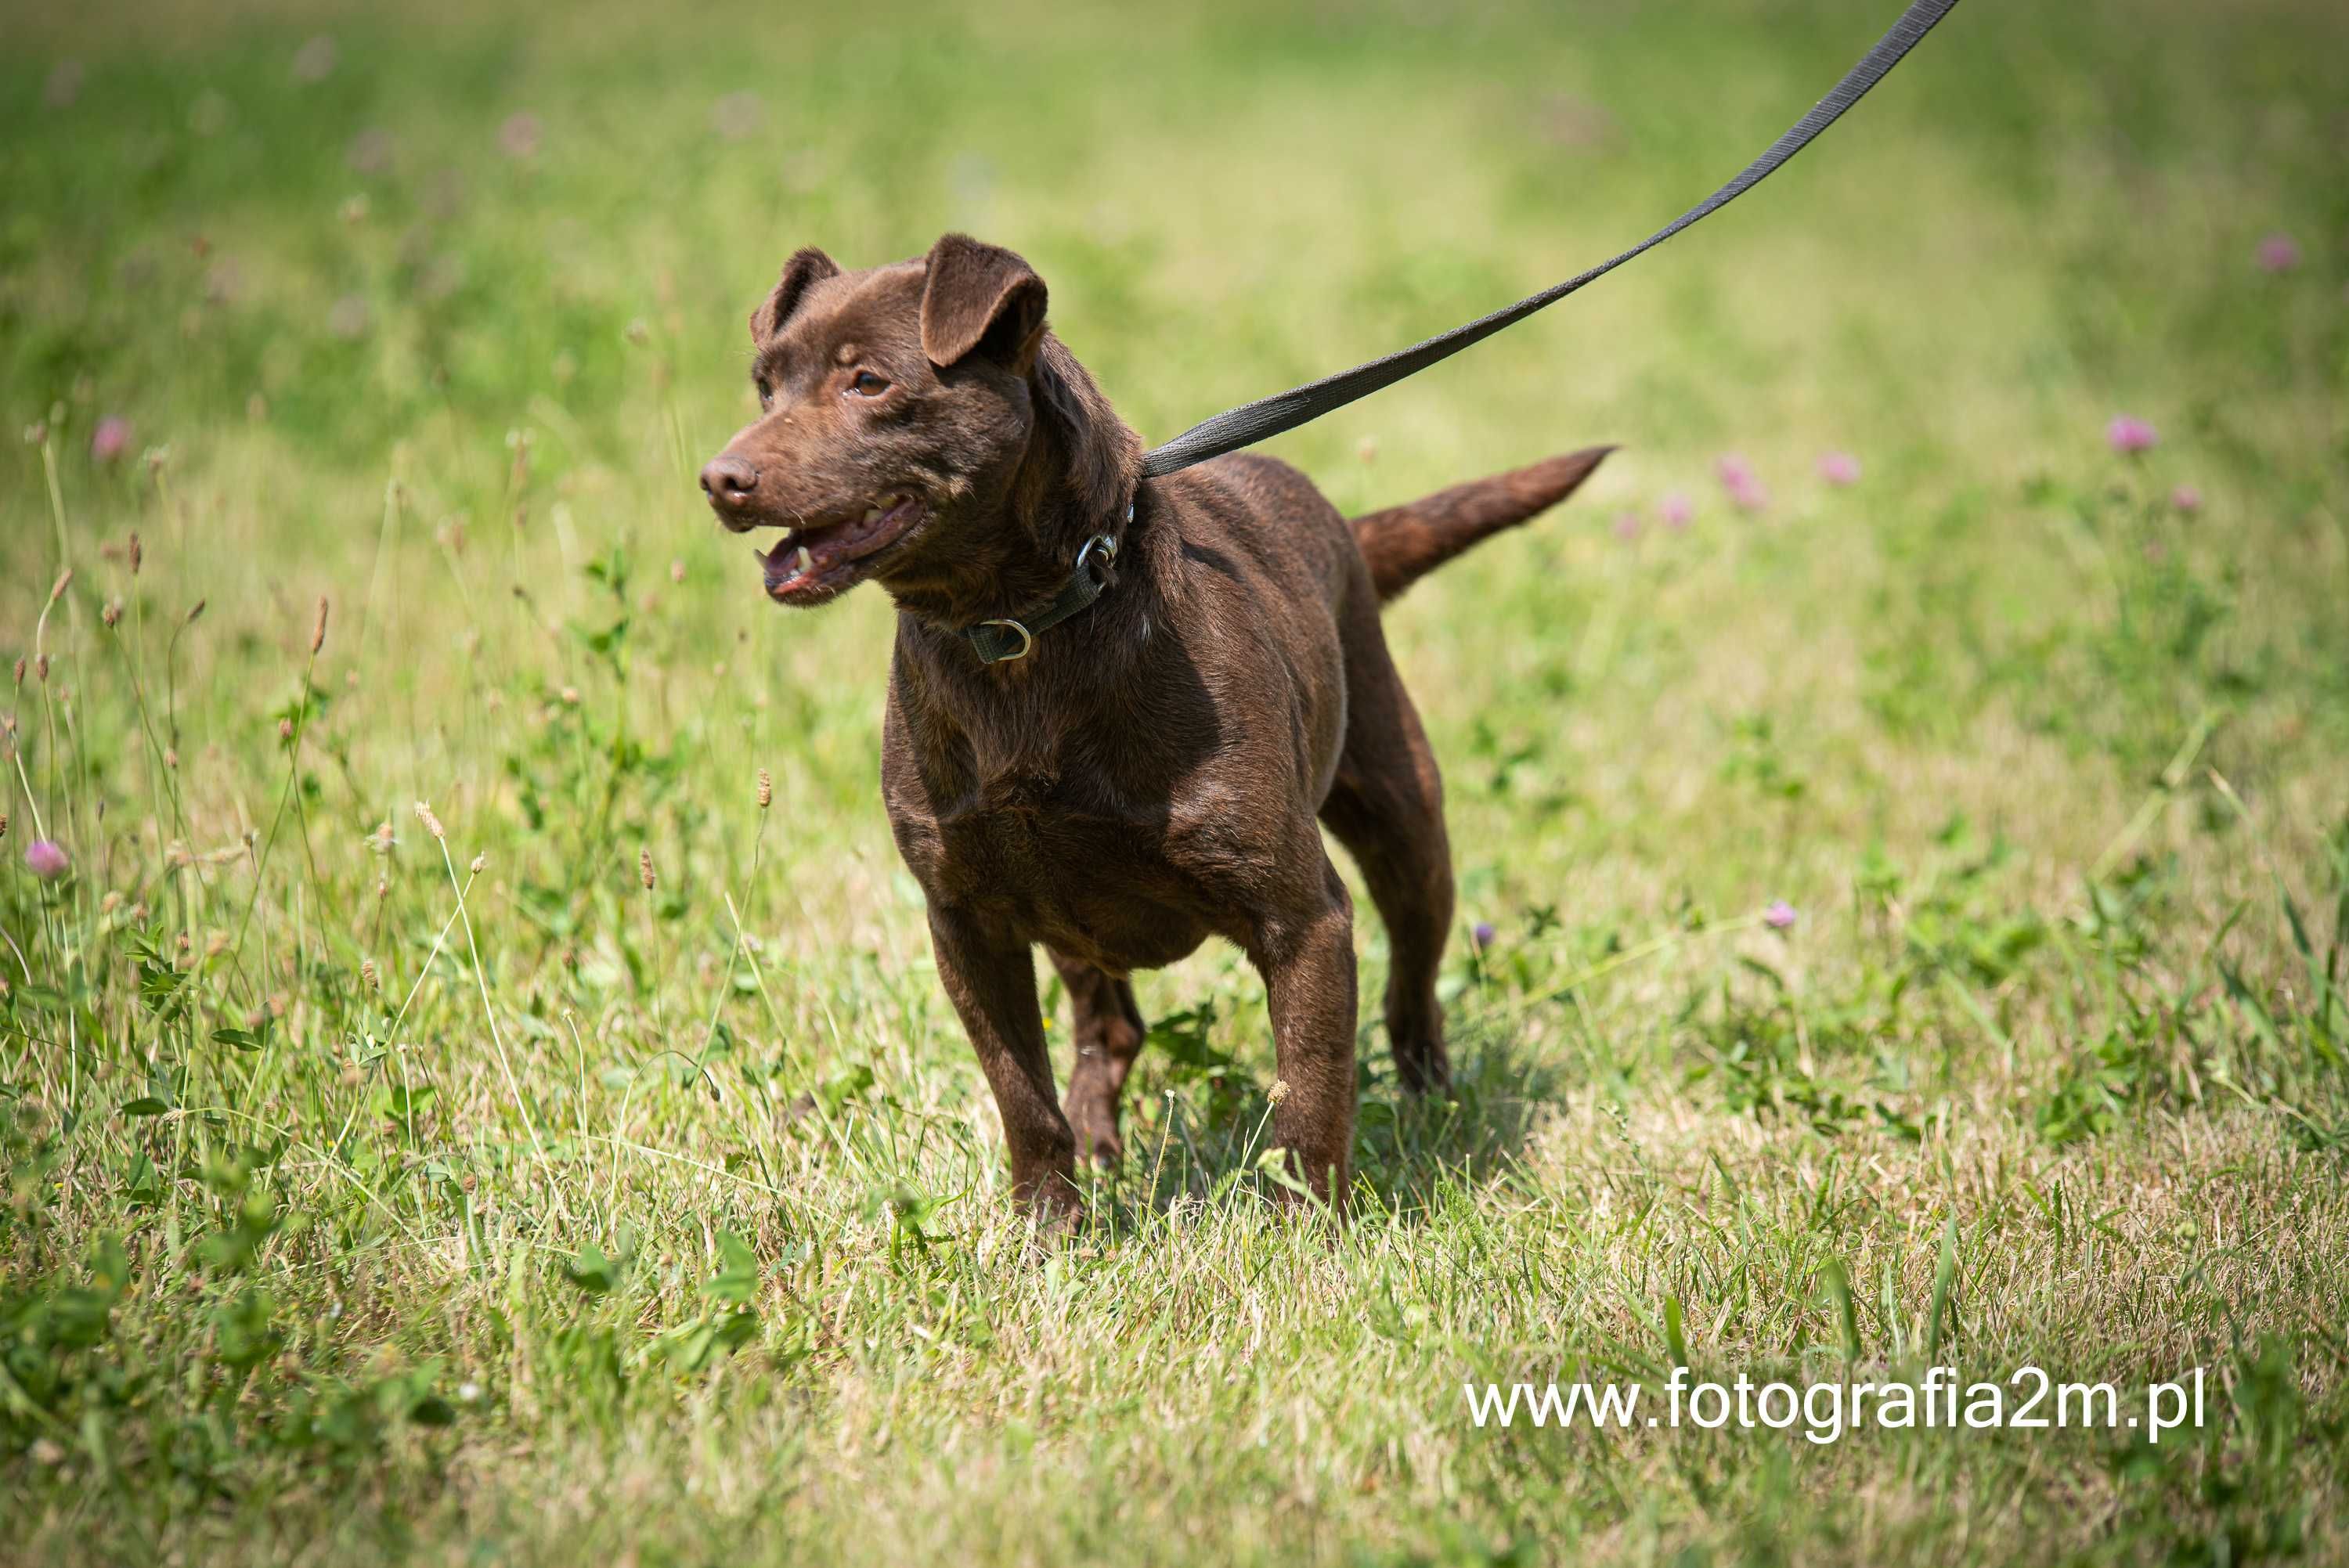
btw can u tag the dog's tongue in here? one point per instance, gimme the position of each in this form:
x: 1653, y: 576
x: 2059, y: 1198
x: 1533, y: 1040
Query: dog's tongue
x: 797, y: 557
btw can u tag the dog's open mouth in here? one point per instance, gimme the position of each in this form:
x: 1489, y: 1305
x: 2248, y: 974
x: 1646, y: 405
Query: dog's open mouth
x: 822, y: 557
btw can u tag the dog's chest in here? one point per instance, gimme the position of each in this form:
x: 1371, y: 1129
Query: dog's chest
x: 1058, y: 856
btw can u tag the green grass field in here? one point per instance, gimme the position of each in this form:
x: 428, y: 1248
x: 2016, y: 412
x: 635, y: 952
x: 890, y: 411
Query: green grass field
x: 375, y: 1195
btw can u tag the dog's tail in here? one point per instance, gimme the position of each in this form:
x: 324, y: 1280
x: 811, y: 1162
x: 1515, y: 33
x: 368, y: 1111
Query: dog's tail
x: 1404, y: 543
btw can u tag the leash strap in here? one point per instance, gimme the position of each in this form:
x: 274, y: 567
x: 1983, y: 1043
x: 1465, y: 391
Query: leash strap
x: 1252, y: 422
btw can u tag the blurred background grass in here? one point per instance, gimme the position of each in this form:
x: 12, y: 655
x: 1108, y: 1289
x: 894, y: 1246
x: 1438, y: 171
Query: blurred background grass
x: 434, y: 313
x: 306, y: 274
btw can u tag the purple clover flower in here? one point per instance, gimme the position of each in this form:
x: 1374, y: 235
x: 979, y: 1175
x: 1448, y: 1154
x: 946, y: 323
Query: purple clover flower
x: 2278, y: 253
x: 1743, y: 485
x: 1780, y: 915
x: 2130, y: 436
x: 45, y: 860
x: 110, y: 439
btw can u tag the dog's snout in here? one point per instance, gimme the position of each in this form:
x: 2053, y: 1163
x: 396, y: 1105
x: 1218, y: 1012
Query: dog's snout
x: 728, y: 481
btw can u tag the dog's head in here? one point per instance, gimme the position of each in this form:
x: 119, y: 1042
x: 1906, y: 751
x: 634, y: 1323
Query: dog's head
x: 899, y: 413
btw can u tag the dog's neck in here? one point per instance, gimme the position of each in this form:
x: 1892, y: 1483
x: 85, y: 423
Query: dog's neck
x: 1075, y: 478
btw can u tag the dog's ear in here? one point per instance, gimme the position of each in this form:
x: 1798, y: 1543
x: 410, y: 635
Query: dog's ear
x: 980, y: 297
x: 806, y: 267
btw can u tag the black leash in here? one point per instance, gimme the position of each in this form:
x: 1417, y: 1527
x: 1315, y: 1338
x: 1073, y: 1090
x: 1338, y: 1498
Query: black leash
x: 1005, y: 640
x: 1252, y: 422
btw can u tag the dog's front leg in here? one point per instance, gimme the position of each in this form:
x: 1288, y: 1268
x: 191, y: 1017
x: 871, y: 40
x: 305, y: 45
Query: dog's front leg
x: 990, y: 977
x: 1306, y: 958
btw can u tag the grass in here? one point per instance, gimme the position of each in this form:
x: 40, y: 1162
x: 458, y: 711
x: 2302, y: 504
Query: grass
x: 607, y: 1180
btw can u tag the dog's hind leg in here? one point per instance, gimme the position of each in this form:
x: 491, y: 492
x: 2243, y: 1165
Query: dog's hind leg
x: 1387, y: 808
x: 1108, y: 1029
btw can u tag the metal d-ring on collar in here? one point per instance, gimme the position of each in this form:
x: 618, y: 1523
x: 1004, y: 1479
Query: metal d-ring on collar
x: 1004, y: 640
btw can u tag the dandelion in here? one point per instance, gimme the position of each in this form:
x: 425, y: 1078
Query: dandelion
x: 1839, y: 468
x: 1779, y: 916
x: 766, y: 790
x: 737, y: 116
x: 211, y: 115
x: 2278, y: 253
x: 371, y: 151
x: 110, y: 439
x: 432, y: 823
x: 314, y: 61
x: 2130, y: 436
x: 63, y: 85
x: 46, y: 859
x: 645, y: 868
x: 2186, y: 498
x: 518, y: 137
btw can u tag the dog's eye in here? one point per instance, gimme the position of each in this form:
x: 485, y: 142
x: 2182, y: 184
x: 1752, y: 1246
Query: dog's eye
x: 766, y: 393
x: 867, y: 385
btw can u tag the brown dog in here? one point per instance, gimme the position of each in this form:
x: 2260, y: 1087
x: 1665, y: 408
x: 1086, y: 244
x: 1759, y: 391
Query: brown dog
x: 1156, y: 769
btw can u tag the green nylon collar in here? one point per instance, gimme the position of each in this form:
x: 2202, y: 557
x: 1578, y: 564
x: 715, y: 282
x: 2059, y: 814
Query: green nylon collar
x: 1004, y: 640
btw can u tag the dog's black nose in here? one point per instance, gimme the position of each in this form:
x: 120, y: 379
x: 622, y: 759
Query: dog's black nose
x: 728, y: 481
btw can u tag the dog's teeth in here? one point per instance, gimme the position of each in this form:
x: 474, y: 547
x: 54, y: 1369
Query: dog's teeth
x: 872, y: 514
x: 807, y: 562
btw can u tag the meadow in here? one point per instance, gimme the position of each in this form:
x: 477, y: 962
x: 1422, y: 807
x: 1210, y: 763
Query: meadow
x: 472, y: 1086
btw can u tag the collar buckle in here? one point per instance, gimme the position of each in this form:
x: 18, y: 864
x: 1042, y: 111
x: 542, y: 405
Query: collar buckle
x: 1087, y: 581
